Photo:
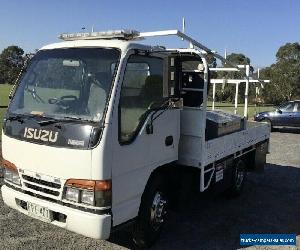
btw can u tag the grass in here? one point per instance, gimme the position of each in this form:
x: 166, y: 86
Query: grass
x: 252, y: 110
x: 4, y: 92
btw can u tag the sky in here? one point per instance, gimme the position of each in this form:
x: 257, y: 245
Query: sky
x: 255, y: 28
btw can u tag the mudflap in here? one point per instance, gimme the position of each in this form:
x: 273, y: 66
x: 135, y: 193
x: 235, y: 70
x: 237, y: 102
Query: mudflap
x: 260, y: 157
x: 221, y: 179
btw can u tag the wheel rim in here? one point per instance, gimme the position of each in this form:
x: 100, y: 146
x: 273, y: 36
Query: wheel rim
x: 158, y: 211
x: 239, y: 176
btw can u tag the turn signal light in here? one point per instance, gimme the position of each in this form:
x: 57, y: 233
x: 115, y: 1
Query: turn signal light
x: 9, y: 165
x: 90, y: 184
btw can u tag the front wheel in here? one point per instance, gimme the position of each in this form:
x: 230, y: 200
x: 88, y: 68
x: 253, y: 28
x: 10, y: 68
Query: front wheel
x: 152, y: 213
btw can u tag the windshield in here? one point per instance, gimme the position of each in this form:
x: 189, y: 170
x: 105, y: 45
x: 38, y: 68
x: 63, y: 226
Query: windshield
x: 67, y: 83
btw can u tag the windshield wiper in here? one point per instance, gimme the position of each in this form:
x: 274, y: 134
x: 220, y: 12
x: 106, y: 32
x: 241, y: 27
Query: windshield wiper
x: 63, y: 119
x: 47, y: 122
x: 74, y: 118
x: 18, y: 118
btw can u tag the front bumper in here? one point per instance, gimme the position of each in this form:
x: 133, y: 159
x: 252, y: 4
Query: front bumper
x: 85, y: 223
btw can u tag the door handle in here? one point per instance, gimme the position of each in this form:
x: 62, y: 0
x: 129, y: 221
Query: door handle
x: 169, y: 140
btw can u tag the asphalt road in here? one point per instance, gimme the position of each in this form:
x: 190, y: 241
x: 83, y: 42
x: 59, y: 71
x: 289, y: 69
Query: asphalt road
x: 270, y: 204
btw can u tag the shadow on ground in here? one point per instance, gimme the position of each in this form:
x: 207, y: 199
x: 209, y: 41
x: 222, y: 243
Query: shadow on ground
x: 288, y: 130
x: 270, y: 204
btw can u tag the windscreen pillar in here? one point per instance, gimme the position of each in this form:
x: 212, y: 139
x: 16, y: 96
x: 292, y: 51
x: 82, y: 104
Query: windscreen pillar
x: 236, y: 97
x: 256, y: 96
x: 214, y: 96
x: 246, y: 91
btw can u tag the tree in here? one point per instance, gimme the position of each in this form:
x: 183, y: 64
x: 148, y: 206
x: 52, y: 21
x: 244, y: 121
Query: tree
x: 284, y: 75
x: 289, y: 52
x: 11, y: 62
x: 238, y: 58
x: 211, y: 60
x: 227, y: 93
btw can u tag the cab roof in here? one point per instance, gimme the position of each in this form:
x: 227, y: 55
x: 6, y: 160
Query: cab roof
x: 123, y: 45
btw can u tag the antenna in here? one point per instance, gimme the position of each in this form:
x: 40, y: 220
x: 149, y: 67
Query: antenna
x: 183, y: 31
x: 183, y: 25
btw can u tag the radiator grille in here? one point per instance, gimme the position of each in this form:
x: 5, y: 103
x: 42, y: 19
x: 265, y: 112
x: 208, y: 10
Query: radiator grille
x: 46, y: 187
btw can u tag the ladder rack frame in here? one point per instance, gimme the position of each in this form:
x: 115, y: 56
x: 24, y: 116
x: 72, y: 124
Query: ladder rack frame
x: 245, y: 69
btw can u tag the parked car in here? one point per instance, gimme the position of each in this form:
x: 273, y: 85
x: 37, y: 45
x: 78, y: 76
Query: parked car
x: 285, y: 115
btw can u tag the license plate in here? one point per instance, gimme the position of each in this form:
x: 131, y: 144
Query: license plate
x: 39, y: 212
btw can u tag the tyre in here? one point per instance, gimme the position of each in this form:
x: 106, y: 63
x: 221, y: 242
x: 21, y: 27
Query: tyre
x: 152, y: 214
x: 239, y: 175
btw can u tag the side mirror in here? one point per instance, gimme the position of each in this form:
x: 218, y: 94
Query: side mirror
x: 172, y: 77
x: 279, y: 111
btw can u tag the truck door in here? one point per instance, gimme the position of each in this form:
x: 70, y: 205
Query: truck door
x: 137, y: 151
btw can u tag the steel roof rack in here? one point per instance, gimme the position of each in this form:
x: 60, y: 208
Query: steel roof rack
x: 232, y: 67
x: 132, y: 35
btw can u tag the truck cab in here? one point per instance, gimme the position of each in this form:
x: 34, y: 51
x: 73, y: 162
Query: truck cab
x: 97, y: 126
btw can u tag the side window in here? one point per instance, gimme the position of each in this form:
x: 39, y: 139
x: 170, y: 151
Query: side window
x: 288, y: 107
x: 142, y: 89
x: 192, y: 80
x: 298, y: 107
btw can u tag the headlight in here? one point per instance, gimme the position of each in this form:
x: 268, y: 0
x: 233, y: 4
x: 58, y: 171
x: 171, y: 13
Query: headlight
x: 11, y: 173
x: 72, y: 194
x: 8, y: 175
x: 12, y: 176
x: 87, y: 197
x: 89, y: 192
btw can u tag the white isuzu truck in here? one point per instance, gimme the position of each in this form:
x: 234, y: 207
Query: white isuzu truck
x: 103, y: 130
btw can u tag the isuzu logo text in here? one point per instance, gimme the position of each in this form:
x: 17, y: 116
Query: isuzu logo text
x: 40, y: 134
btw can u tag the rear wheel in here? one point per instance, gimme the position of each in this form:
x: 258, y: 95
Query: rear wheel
x: 238, y: 179
x: 152, y: 213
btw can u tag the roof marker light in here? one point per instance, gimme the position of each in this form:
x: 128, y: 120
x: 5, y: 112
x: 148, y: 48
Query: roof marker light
x: 112, y: 34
